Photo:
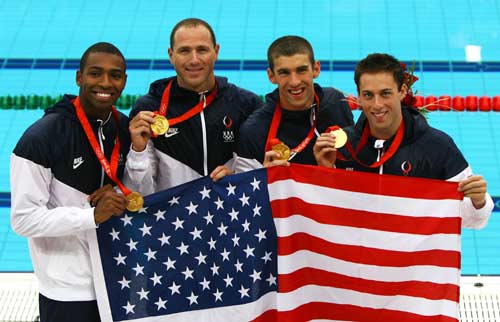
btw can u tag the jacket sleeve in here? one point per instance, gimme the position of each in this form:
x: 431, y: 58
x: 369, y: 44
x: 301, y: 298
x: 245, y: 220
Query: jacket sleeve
x: 249, y: 151
x: 140, y: 170
x: 472, y: 217
x: 31, y: 213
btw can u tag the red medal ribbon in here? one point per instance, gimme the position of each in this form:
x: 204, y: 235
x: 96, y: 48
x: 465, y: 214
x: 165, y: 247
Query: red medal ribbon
x: 389, y: 153
x: 275, y: 123
x: 109, y: 167
x: 191, y: 112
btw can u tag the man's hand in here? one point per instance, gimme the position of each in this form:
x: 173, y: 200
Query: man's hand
x: 324, y: 150
x: 110, y: 204
x: 220, y: 172
x: 474, y: 187
x: 272, y: 159
x: 97, y: 195
x: 140, y: 130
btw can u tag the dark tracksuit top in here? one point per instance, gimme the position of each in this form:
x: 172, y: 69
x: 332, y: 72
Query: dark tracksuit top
x: 194, y: 147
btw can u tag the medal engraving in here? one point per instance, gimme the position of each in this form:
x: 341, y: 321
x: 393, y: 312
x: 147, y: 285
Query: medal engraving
x: 340, y: 137
x: 283, y: 150
x: 135, y: 201
x: 160, y: 126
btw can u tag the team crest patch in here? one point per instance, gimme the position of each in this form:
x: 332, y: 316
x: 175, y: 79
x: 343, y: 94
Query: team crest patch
x: 406, y: 167
x: 228, y: 134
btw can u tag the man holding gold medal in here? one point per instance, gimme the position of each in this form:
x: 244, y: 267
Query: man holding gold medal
x: 393, y: 139
x: 285, y: 129
x: 187, y: 126
x: 62, y: 170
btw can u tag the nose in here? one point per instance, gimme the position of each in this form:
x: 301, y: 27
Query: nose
x: 294, y: 79
x: 378, y: 101
x: 105, y: 81
x: 194, y: 56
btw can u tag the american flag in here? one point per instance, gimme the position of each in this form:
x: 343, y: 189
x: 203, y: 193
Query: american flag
x: 294, y: 243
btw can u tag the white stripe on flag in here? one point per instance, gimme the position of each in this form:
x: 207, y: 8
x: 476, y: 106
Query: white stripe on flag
x: 313, y: 194
x: 305, y: 259
x: 303, y: 295
x: 365, y: 237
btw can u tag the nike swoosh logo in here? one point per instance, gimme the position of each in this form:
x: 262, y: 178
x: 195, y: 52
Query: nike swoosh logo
x: 76, y: 165
x: 167, y: 135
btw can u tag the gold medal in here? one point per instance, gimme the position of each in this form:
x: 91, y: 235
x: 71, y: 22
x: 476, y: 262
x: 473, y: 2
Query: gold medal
x: 340, y: 137
x: 160, y: 126
x: 283, y: 150
x: 135, y: 201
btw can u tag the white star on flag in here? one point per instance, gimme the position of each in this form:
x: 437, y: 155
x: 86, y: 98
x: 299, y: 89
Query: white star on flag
x: 205, y: 193
x: 230, y: 189
x: 120, y: 259
x: 255, y: 184
x: 244, y: 200
x: 159, y: 215
x: 161, y: 303
x: 114, y: 234
x: 191, y: 208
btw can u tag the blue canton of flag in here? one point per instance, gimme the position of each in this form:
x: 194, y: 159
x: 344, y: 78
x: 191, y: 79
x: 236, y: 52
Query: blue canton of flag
x: 197, y: 246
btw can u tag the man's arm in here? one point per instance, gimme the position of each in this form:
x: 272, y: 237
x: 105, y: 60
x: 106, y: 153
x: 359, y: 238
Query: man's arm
x: 475, y: 195
x: 30, y: 215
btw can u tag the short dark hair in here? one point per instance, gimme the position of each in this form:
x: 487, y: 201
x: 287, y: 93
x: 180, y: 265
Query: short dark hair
x: 289, y: 46
x: 191, y: 22
x: 101, y: 47
x: 377, y: 63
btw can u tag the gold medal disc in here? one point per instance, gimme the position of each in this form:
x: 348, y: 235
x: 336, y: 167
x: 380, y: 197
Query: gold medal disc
x: 340, y: 138
x: 160, y: 126
x: 135, y: 201
x: 283, y: 150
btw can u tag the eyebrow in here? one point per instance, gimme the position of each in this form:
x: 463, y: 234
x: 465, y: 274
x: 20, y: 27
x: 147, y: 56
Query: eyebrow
x: 112, y: 69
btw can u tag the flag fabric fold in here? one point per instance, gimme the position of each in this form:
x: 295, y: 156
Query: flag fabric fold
x: 294, y: 243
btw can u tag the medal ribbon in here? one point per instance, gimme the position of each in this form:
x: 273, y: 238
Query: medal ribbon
x: 390, y: 152
x: 275, y: 123
x: 109, y: 167
x: 191, y: 112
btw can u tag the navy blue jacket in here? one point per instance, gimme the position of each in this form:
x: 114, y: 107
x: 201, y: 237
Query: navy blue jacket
x: 294, y: 125
x: 424, y: 152
x: 53, y: 170
x: 57, y: 141
x: 222, y: 119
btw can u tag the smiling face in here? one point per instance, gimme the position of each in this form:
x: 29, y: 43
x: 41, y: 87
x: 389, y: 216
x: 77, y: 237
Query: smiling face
x: 380, y: 100
x: 101, y: 82
x: 294, y: 76
x: 193, y: 56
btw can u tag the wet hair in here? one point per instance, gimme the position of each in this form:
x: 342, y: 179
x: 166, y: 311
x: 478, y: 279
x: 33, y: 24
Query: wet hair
x: 191, y: 22
x: 101, y: 47
x: 289, y: 46
x: 379, y: 63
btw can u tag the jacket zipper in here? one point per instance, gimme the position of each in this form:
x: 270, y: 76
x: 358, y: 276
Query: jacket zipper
x: 100, y: 134
x: 204, y: 133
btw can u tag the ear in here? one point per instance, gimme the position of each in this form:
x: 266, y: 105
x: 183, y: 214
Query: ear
x: 78, y: 78
x: 316, y: 68
x: 170, y: 54
x: 271, y: 76
x: 217, y: 47
x: 403, y: 91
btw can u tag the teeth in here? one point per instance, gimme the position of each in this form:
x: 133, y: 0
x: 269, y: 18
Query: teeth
x: 298, y: 91
x: 103, y: 95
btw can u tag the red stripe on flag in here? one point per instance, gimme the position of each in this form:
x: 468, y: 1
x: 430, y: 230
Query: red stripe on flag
x: 390, y: 185
x: 366, y: 255
x: 311, y: 276
x: 319, y: 310
x: 330, y: 215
